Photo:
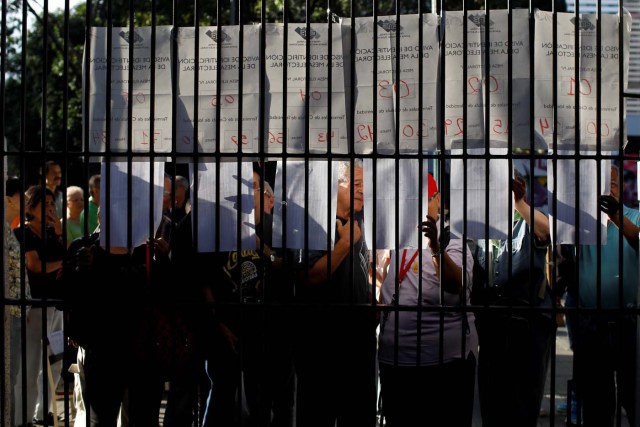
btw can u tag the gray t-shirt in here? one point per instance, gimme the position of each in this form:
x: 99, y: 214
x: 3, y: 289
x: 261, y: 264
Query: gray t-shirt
x: 455, y: 326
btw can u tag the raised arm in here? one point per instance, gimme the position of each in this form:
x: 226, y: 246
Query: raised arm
x: 609, y: 205
x: 446, y: 269
x: 318, y: 272
x: 540, y: 221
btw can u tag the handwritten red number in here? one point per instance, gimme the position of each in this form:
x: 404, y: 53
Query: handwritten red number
x: 585, y: 87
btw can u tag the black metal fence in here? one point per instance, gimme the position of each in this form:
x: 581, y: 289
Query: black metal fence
x: 309, y: 211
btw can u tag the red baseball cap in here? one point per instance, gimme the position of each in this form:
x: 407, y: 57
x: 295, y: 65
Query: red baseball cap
x: 432, y: 186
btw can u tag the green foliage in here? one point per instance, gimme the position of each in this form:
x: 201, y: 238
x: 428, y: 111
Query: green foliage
x: 48, y: 77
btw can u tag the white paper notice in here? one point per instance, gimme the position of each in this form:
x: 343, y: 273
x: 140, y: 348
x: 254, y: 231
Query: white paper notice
x: 56, y: 342
x: 389, y: 94
x: 239, y: 86
x: 580, y: 85
x: 296, y: 209
x: 587, y: 202
x: 118, y: 91
x: 408, y: 215
x: 483, y: 89
x: 118, y: 222
x: 497, y: 195
x: 290, y: 123
x: 227, y: 206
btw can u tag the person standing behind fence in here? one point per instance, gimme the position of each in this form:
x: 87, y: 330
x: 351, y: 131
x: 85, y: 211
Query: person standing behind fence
x: 13, y: 286
x: 242, y: 338
x: 335, y: 353
x: 419, y: 385
x: 604, y: 344
x: 94, y: 279
x: 43, y: 248
x: 514, y: 345
x: 274, y: 372
x: 52, y: 180
x: 75, y: 205
x: 94, y: 204
x: 182, y: 249
x: 183, y: 304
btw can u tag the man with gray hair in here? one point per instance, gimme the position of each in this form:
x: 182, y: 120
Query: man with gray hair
x: 335, y: 358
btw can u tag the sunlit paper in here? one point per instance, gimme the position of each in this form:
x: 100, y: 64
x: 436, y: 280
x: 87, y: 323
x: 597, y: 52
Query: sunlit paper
x: 393, y: 89
x: 578, y: 88
x: 563, y: 220
x: 118, y: 223
x: 238, y: 88
x: 393, y: 208
x: 144, y: 66
x: 230, y: 211
x: 478, y: 194
x: 322, y: 195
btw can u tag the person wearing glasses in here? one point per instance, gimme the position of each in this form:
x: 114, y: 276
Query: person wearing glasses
x: 604, y: 343
x: 427, y: 361
x: 335, y: 346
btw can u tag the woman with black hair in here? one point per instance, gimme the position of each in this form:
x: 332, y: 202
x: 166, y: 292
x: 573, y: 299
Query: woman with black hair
x: 41, y: 238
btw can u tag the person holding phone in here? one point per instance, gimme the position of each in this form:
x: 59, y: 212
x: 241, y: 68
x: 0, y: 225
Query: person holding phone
x: 515, y: 345
x: 41, y: 237
x: 424, y: 382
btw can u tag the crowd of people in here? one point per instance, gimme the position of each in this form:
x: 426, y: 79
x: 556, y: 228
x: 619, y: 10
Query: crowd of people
x: 273, y: 337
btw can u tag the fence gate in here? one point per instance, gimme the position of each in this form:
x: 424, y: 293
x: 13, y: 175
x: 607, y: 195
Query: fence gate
x: 297, y: 214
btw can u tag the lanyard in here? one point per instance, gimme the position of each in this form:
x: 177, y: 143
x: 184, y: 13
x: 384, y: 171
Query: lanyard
x: 404, y: 269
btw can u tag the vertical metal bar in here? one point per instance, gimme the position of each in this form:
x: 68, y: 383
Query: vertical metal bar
x: 85, y: 151
x: 243, y: 306
x: 107, y: 215
x: 396, y: 155
x: 65, y: 119
x: 86, y: 145
x: 152, y: 115
x: 175, y: 46
x: 285, y: 133
x: 218, y: 156
x: 43, y: 151
x: 620, y: 318
x: 554, y: 171
x: 23, y: 168
x: 195, y: 158
x: 421, y: 172
x: 307, y: 86
x: 7, y: 388
x: 439, y: 155
x: 576, y: 156
x: 464, y: 207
